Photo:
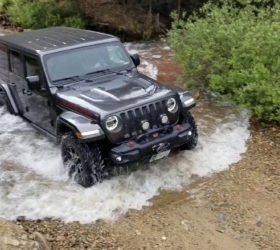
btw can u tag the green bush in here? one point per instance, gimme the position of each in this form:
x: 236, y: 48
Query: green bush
x: 4, y: 4
x: 43, y: 13
x: 233, y: 51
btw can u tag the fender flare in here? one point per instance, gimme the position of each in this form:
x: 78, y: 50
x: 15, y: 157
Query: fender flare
x: 187, y: 100
x: 83, y: 127
x: 185, y: 96
x: 5, y: 88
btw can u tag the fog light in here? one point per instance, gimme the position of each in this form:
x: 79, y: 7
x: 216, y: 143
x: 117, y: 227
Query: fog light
x: 164, y: 119
x: 145, y: 125
x: 190, y: 133
x: 119, y: 158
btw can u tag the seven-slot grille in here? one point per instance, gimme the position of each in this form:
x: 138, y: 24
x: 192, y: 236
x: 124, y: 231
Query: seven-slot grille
x: 151, y: 112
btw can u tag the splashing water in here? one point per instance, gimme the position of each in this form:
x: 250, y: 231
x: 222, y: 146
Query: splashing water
x: 34, y: 183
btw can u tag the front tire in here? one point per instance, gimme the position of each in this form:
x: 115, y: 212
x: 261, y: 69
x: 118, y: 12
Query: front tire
x: 186, y: 117
x: 83, y: 162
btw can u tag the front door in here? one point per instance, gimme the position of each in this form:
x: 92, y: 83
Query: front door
x: 38, y: 102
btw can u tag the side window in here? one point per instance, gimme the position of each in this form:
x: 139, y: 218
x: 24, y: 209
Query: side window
x: 32, y: 66
x: 15, y: 63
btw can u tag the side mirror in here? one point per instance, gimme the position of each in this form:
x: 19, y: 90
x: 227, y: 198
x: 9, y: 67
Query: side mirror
x: 33, y: 82
x: 136, y: 59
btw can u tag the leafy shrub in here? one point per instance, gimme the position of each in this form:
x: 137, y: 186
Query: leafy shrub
x: 4, y: 4
x: 233, y: 51
x: 42, y: 13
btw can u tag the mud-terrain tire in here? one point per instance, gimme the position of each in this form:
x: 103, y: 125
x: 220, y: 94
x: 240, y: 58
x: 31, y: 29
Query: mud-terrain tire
x: 186, y: 117
x: 4, y: 102
x: 83, y: 162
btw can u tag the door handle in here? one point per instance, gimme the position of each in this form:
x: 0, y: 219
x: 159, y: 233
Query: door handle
x: 26, y: 92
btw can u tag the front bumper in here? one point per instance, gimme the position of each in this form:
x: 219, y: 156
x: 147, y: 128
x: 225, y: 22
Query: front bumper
x: 151, y: 143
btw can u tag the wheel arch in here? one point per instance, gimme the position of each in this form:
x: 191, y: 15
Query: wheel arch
x: 81, y: 126
x: 6, y: 91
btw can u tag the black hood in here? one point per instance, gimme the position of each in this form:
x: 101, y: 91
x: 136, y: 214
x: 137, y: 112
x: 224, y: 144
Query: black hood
x: 113, y: 93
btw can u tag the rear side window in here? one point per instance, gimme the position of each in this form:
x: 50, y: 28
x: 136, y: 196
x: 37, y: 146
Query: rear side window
x: 4, y: 63
x: 15, y: 63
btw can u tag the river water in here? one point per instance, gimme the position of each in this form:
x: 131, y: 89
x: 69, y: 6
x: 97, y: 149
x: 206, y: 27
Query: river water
x: 34, y: 184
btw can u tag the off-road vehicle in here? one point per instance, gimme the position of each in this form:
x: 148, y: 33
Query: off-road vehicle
x: 83, y: 88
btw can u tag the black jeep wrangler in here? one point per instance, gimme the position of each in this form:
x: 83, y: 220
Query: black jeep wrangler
x: 83, y: 88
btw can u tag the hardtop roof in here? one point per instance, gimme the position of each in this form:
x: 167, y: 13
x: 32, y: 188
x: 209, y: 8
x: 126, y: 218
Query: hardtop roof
x: 54, y: 38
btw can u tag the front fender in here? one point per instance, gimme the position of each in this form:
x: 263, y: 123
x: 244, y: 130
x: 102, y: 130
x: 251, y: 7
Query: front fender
x: 83, y: 127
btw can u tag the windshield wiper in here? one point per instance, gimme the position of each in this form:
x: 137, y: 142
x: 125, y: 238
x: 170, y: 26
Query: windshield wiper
x: 102, y: 71
x: 110, y: 71
x: 73, y: 78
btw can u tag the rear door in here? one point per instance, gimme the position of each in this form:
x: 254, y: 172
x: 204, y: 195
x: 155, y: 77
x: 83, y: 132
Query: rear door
x: 16, y: 81
x: 4, y: 64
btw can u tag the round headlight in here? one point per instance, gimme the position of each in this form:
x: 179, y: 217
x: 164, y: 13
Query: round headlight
x: 112, y: 123
x: 145, y: 125
x: 172, y: 105
x: 164, y: 119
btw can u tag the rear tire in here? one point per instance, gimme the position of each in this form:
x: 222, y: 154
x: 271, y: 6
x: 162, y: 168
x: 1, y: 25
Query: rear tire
x: 186, y: 117
x: 83, y: 162
x: 5, y: 103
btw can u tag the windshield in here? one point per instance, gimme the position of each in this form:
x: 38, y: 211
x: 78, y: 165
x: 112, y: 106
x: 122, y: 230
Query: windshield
x: 86, y: 60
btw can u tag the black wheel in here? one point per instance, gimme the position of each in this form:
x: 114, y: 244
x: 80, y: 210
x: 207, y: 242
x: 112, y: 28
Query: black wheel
x: 83, y: 162
x: 186, y: 117
x: 4, y: 102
